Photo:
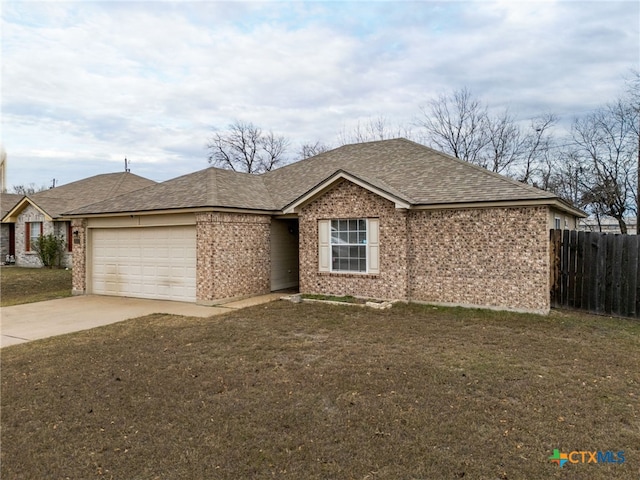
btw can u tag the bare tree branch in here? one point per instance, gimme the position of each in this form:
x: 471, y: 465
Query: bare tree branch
x: 244, y: 147
x: 29, y: 189
x: 308, y: 150
x: 606, y: 142
x: 375, y: 128
x: 456, y: 124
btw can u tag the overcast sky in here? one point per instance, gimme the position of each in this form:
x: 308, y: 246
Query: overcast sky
x: 86, y: 84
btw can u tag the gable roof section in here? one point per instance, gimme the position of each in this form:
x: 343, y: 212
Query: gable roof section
x: 405, y: 172
x: 370, y: 184
x: 8, y: 201
x: 423, y: 175
x: 53, y: 203
x: 212, y: 187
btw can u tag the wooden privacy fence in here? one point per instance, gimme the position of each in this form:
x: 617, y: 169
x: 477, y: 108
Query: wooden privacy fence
x: 597, y: 272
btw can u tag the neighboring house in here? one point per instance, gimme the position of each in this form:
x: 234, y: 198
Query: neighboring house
x: 7, y: 230
x: 43, y: 213
x: 606, y: 224
x: 389, y: 219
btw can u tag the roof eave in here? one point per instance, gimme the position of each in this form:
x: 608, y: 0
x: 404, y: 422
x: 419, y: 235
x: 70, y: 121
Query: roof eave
x: 255, y: 211
x: 550, y: 202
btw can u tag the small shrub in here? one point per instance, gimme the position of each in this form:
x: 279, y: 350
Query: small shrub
x: 49, y: 249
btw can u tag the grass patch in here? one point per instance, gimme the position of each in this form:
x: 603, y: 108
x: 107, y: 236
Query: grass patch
x: 28, y: 285
x: 318, y: 391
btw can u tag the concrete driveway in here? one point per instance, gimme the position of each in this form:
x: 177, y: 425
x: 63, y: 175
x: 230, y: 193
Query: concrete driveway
x: 32, y: 321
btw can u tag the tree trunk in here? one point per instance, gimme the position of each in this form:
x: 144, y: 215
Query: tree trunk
x: 623, y: 225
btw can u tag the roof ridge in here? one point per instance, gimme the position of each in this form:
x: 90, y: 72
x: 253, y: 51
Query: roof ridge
x: 114, y: 188
x: 377, y: 182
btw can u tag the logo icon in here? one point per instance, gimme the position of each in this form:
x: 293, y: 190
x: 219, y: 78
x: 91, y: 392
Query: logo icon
x: 584, y: 456
x: 559, y: 458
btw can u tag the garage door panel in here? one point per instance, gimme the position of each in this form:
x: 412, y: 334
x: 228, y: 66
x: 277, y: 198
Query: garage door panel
x: 149, y: 262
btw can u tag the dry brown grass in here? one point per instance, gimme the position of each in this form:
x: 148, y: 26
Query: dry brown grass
x: 313, y: 391
x: 26, y: 285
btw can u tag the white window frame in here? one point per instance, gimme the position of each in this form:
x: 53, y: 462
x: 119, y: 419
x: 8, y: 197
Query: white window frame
x: 372, y: 247
x: 557, y: 223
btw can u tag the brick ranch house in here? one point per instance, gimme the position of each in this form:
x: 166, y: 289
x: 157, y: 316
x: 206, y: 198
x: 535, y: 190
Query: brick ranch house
x: 390, y: 220
x: 43, y: 213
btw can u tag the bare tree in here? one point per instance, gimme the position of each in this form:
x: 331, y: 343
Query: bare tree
x: 375, y: 128
x: 456, y: 123
x: 504, y: 143
x: 565, y: 177
x: 633, y: 94
x: 309, y: 149
x: 29, y: 189
x: 462, y: 126
x: 607, y: 145
x: 244, y: 147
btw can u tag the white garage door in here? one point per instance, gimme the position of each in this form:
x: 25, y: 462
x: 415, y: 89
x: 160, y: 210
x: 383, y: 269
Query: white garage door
x: 146, y: 262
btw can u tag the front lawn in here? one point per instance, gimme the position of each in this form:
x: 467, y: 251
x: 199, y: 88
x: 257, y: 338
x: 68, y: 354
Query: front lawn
x: 27, y: 285
x: 309, y: 391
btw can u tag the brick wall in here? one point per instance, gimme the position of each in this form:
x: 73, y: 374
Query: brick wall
x: 348, y: 200
x: 233, y: 255
x: 495, y: 257
x: 4, y: 241
x: 79, y: 274
x: 30, y: 259
x: 29, y: 214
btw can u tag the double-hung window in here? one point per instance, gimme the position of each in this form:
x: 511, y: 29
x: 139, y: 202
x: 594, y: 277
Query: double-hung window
x: 33, y: 230
x: 349, y: 245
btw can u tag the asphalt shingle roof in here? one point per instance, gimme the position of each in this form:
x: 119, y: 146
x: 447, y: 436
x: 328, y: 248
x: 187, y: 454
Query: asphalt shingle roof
x: 8, y: 201
x: 413, y: 172
x: 407, y: 170
x: 64, y: 198
x: 205, y: 188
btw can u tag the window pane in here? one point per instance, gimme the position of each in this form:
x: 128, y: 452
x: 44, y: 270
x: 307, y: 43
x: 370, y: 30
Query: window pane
x: 353, y: 225
x: 353, y: 237
x: 353, y: 265
x: 340, y: 251
x: 362, y: 224
x: 363, y: 265
x: 35, y: 230
x: 343, y: 225
x: 344, y: 237
x: 334, y: 225
x: 362, y: 237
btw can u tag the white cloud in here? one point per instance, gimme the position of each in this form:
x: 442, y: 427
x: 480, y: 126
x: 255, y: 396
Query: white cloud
x: 93, y: 82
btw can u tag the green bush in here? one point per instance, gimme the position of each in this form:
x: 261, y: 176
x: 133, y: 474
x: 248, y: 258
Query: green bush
x: 49, y: 249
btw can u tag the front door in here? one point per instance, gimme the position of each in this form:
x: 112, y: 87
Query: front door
x: 284, y: 254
